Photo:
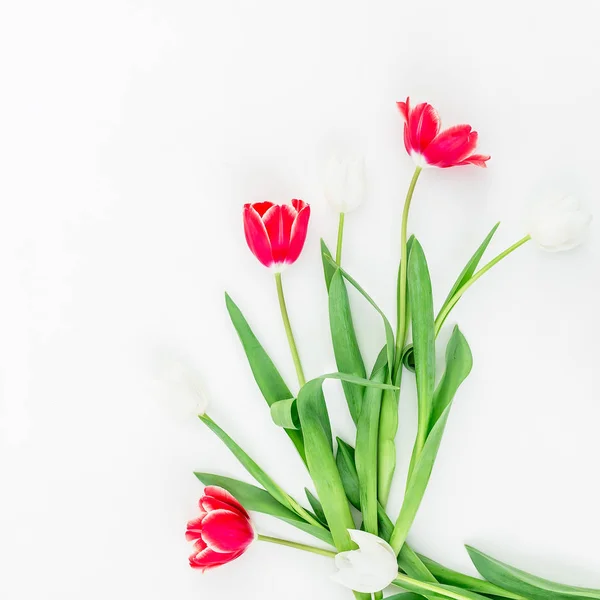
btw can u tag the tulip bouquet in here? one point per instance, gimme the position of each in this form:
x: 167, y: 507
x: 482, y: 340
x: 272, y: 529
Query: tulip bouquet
x: 346, y: 509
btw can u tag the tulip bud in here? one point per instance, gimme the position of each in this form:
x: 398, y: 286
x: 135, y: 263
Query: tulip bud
x: 559, y: 224
x: 184, y: 382
x: 369, y: 569
x: 345, y: 183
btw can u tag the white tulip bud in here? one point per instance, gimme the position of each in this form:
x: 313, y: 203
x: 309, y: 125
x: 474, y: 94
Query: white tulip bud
x: 345, y: 183
x: 183, y: 381
x: 559, y: 224
x: 369, y: 569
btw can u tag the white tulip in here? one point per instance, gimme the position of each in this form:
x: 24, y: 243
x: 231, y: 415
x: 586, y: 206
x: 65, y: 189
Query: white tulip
x: 559, y: 224
x: 345, y: 183
x: 369, y: 569
x: 183, y: 381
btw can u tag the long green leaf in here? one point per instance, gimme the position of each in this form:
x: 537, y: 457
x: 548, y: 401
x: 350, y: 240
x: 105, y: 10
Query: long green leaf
x: 389, y: 332
x: 321, y: 463
x: 421, y: 301
x: 316, y: 506
x: 345, y: 345
x: 258, y: 500
x: 471, y: 266
x: 450, y: 577
x: 367, y: 431
x: 520, y: 582
x: 261, y: 477
x: 435, y: 590
x: 459, y: 362
x: 346, y: 465
x: 328, y: 268
x: 458, y: 366
x: 270, y: 382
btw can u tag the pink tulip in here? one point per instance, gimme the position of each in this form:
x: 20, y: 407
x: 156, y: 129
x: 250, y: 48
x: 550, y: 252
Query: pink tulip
x: 430, y: 147
x: 276, y: 234
x: 223, y: 531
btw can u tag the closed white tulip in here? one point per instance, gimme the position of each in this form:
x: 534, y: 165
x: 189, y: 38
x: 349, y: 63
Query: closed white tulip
x: 345, y: 183
x: 369, y: 569
x: 182, y: 381
x: 559, y: 224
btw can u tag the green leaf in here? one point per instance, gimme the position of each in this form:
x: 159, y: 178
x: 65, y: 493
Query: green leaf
x: 520, y: 582
x: 328, y: 268
x: 321, y: 462
x: 471, y: 266
x: 435, y: 590
x: 450, y: 577
x: 345, y: 345
x: 285, y: 414
x: 459, y: 362
x: 316, y: 506
x: 256, y: 499
x: 389, y: 332
x: 367, y: 431
x: 421, y: 301
x: 417, y: 484
x: 259, y: 475
x: 347, y: 468
x: 270, y: 382
x: 405, y: 596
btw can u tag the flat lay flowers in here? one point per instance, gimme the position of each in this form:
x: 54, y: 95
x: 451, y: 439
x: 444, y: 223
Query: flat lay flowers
x: 349, y: 481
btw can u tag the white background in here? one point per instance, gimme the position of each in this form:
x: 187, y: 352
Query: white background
x: 131, y: 133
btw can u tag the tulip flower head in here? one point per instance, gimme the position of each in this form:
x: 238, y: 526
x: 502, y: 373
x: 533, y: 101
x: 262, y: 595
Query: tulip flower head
x: 430, y: 147
x: 223, y: 531
x: 559, y: 224
x: 276, y: 233
x: 345, y: 183
x: 369, y: 569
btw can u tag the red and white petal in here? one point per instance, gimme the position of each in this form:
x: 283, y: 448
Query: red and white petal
x: 261, y: 207
x: 194, y: 529
x: 423, y: 126
x: 256, y: 234
x: 209, y: 559
x: 451, y: 146
x: 478, y: 160
x: 298, y: 234
x: 227, y: 500
x: 404, y: 108
x: 274, y: 226
x: 225, y: 531
x: 299, y: 204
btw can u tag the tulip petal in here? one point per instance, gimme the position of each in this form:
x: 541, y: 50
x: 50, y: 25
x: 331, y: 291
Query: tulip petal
x: 478, y: 160
x: 276, y: 230
x: 423, y: 125
x: 219, y: 494
x: 261, y: 207
x: 369, y: 569
x: 256, y: 233
x: 209, y: 559
x: 298, y: 232
x: 225, y: 531
x: 451, y: 146
x: 194, y: 529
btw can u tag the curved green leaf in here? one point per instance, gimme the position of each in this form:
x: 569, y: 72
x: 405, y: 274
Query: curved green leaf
x: 520, y: 582
x: 270, y: 382
x: 345, y: 345
x: 367, y: 431
x: 285, y: 414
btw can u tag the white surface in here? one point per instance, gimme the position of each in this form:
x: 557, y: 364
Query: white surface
x: 132, y: 132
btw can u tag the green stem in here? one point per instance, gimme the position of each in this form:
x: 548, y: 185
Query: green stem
x: 340, y: 238
x: 303, y: 547
x: 439, y: 321
x: 288, y: 330
x: 401, y: 306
